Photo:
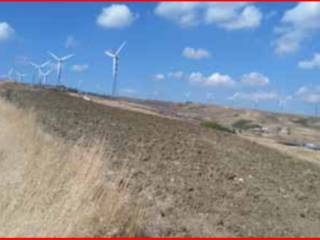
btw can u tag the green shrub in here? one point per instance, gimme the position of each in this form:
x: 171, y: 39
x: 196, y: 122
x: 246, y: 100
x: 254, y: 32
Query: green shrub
x: 216, y: 126
x: 244, y: 124
x: 301, y: 121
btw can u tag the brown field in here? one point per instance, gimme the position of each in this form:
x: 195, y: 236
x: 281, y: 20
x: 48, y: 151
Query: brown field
x: 51, y: 188
x: 186, y: 179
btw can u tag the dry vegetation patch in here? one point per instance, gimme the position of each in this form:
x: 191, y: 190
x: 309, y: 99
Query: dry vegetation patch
x: 50, y: 188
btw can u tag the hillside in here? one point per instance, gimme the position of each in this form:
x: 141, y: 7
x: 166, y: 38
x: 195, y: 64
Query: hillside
x: 189, y: 180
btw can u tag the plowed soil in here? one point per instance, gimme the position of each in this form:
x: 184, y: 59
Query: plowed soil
x: 192, y: 181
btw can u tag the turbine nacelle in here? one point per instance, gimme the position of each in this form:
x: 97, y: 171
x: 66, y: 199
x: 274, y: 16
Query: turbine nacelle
x: 20, y: 76
x: 45, y: 75
x: 40, y: 66
x: 115, y: 54
x: 60, y: 61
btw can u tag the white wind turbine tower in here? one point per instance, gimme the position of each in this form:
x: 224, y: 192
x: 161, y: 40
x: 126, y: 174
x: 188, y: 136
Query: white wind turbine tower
x: 115, y: 57
x: 60, y: 62
x: 20, y: 76
x: 44, y: 76
x: 38, y: 68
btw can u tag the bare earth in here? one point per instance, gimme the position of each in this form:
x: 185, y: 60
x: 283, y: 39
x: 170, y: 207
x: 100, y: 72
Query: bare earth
x: 194, y: 181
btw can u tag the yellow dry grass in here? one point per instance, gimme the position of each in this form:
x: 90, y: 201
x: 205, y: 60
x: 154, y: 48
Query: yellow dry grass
x: 51, y: 189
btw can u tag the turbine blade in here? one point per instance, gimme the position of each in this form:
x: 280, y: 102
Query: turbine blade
x: 67, y: 57
x: 120, y: 48
x: 44, y: 64
x: 110, y: 54
x: 53, y: 56
x: 34, y: 65
x: 48, y: 72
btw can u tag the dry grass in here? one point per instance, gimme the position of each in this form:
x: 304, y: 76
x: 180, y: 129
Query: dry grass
x: 49, y: 188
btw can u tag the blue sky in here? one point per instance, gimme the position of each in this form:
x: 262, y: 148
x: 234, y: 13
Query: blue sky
x: 261, y: 55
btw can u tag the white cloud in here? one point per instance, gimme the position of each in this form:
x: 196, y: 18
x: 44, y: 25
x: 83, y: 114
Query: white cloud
x: 209, y: 96
x: 302, y: 90
x: 176, y: 75
x: 196, y: 77
x: 297, y: 24
x: 195, y: 54
x: 312, y: 63
x: 70, y: 42
x: 229, y: 16
x: 313, y: 98
x: 234, y: 16
x: 217, y: 79
x: 255, y: 79
x: 6, y: 31
x: 213, y: 80
x: 116, y: 16
x: 158, y: 77
x: 309, y: 94
x: 184, y: 13
x: 79, y: 68
x: 256, y: 96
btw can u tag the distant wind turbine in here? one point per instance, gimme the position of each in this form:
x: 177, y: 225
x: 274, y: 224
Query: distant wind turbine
x: 316, y: 109
x: 60, y: 61
x: 255, y: 103
x: 283, y: 101
x: 79, y: 85
x: 115, y: 57
x: 9, y: 75
x: 20, y: 76
x: 38, y: 68
x: 44, y: 76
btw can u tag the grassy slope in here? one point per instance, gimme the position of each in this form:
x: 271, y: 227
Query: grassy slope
x: 193, y: 181
x: 50, y: 188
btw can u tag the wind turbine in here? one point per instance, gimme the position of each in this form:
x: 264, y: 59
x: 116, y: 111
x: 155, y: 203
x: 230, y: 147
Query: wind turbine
x: 38, y: 68
x: 79, y: 85
x: 9, y: 75
x: 44, y: 76
x: 316, y: 109
x: 255, y: 103
x: 60, y: 61
x: 20, y: 76
x: 115, y: 57
x: 283, y: 101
